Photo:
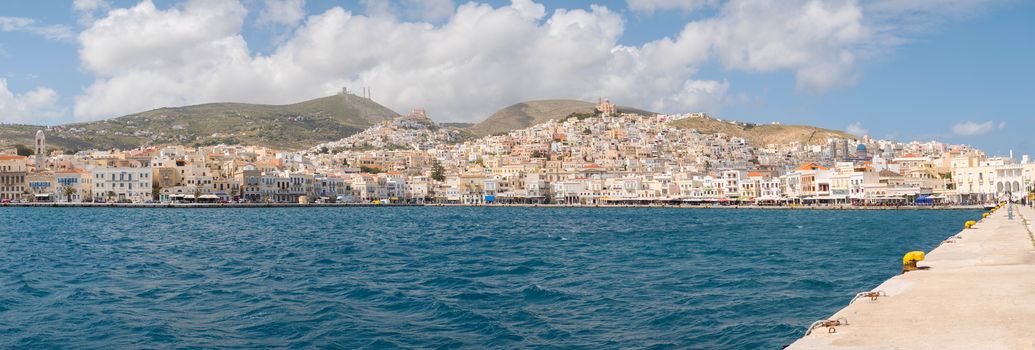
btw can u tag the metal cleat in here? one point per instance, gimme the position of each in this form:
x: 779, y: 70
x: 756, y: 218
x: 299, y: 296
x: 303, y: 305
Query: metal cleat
x: 873, y: 295
x: 830, y: 324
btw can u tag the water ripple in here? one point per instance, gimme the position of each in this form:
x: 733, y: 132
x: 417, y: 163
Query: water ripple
x: 440, y: 278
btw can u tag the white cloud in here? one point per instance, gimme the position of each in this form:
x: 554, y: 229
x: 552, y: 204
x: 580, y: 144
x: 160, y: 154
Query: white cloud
x: 378, y: 8
x: 28, y: 25
x: 479, y: 59
x: 815, y: 39
x: 286, y: 12
x: 856, y: 129
x: 650, y: 6
x: 418, y: 10
x: 974, y: 128
x: 429, y: 10
x: 88, y: 9
x: 32, y: 106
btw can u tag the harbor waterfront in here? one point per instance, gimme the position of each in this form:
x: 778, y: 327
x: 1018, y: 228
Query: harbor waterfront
x: 325, y: 205
x: 442, y: 277
x: 975, y: 291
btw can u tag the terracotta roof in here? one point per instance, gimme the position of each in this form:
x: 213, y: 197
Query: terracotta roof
x: 73, y: 171
x: 5, y: 157
x: 810, y: 166
x: 755, y: 174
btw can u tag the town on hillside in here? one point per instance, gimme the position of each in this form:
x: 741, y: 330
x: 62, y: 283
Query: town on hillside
x: 599, y: 158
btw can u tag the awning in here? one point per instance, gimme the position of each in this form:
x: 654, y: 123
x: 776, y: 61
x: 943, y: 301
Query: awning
x: 209, y: 196
x: 42, y: 195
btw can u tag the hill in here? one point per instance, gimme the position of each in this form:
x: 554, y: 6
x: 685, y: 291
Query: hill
x: 760, y: 135
x: 294, y: 126
x: 526, y: 114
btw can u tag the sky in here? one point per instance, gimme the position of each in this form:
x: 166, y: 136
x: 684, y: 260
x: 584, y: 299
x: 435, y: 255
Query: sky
x: 957, y: 71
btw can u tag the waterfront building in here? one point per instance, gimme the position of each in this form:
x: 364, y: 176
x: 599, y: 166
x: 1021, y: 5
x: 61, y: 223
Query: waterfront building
x: 121, y: 182
x: 42, y: 186
x: 13, y: 170
x: 992, y: 180
x: 249, y: 180
x: 73, y: 185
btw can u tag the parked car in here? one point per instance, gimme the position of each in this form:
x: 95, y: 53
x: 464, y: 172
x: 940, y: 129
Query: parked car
x: 5, y: 201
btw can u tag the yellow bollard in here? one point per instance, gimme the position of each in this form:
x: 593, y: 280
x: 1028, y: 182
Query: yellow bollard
x: 969, y: 224
x: 909, y: 260
x: 984, y: 215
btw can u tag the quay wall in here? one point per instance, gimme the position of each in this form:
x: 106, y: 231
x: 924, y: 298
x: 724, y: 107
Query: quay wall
x: 310, y: 205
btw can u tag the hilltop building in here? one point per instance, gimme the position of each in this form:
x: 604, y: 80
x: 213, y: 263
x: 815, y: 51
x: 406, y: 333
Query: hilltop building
x: 606, y: 108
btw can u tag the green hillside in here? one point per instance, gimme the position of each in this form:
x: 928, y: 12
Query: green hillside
x: 294, y: 126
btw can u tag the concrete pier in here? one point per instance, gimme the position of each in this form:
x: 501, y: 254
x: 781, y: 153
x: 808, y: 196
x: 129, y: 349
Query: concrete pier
x: 978, y: 293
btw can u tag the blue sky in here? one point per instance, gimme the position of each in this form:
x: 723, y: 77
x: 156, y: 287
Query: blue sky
x: 958, y: 71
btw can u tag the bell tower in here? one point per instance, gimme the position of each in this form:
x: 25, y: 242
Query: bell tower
x: 41, y: 150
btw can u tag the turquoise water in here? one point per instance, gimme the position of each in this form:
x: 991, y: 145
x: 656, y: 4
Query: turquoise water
x: 384, y: 278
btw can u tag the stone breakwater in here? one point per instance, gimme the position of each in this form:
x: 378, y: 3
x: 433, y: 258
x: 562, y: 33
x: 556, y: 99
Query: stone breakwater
x: 977, y: 292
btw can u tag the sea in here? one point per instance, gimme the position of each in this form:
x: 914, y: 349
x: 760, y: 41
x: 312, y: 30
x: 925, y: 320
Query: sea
x: 442, y: 277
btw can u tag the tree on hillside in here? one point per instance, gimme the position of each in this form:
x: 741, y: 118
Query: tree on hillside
x: 438, y: 173
x: 370, y: 170
x: 23, y: 150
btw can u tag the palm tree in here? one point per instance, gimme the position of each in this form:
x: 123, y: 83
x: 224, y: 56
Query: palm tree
x: 197, y: 194
x: 68, y: 191
x: 111, y: 196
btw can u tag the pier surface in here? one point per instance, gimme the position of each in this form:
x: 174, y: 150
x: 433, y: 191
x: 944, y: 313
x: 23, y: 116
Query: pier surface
x: 979, y: 293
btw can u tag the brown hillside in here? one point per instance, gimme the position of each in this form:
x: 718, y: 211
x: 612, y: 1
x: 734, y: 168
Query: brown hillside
x: 526, y: 114
x: 763, y: 134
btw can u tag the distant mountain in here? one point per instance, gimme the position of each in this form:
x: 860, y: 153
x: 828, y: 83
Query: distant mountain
x: 458, y: 125
x: 762, y: 134
x: 294, y: 126
x: 526, y: 114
